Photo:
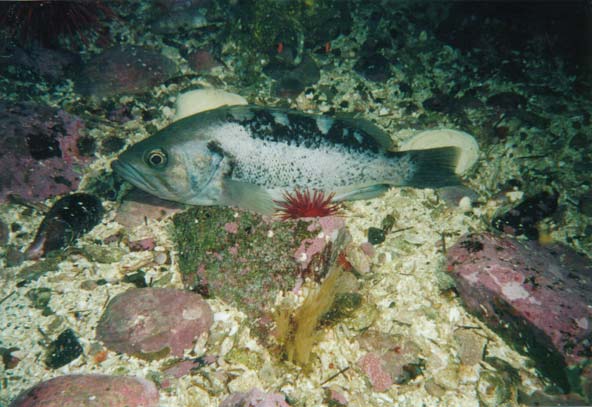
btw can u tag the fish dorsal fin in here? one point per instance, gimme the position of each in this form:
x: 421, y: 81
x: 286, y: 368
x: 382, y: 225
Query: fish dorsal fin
x: 247, y: 196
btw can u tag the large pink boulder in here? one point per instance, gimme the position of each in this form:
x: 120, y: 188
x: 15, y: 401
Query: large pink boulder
x: 152, y: 323
x: 90, y: 391
x: 537, y: 297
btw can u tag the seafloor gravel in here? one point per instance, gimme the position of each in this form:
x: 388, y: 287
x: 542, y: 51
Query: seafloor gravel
x: 519, y: 87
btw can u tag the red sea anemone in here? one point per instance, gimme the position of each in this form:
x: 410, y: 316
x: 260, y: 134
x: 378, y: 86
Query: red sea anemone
x: 45, y: 22
x: 301, y: 204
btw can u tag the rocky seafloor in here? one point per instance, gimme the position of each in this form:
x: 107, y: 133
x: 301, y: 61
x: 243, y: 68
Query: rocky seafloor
x: 468, y: 296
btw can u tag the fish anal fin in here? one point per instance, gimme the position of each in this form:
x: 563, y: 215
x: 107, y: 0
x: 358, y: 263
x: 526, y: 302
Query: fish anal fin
x: 366, y: 192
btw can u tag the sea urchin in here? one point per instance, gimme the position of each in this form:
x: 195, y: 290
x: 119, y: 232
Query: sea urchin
x: 301, y: 204
x: 44, y: 22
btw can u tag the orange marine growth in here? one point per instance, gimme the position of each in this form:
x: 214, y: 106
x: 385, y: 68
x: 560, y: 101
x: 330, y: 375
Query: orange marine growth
x: 301, y: 204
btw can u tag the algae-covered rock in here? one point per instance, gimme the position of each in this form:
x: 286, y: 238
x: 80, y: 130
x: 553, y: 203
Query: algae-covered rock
x: 239, y: 257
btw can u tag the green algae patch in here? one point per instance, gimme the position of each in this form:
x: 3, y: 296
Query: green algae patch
x: 240, y: 257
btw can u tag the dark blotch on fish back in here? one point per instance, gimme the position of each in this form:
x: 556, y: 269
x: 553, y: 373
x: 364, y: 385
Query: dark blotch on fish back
x: 302, y: 130
x: 66, y: 221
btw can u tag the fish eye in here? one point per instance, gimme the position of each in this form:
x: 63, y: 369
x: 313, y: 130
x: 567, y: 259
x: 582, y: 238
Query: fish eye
x: 156, y: 158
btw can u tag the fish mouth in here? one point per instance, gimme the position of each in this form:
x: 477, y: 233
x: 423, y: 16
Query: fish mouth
x: 132, y: 175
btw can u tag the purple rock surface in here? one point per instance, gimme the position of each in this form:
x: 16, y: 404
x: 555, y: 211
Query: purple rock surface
x: 124, y: 70
x: 537, y: 297
x: 390, y: 359
x: 202, y: 60
x: 40, y: 153
x: 255, y: 398
x: 90, y: 391
x: 152, y: 323
x: 49, y: 63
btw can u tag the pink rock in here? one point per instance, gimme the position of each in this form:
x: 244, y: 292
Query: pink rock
x: 371, y: 365
x: 330, y: 227
x: 182, y: 368
x: 124, y: 70
x: 368, y: 249
x: 392, y: 359
x: 255, y: 398
x: 154, y: 322
x: 139, y: 206
x: 90, y: 391
x: 202, y: 60
x: 51, y: 64
x: 142, y: 244
x: 335, y: 398
x: 40, y: 153
x: 231, y: 227
x: 539, y: 298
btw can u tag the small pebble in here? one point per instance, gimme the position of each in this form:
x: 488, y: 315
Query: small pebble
x: 14, y: 257
x: 142, y: 245
x: 138, y: 279
x: 88, y: 285
x: 39, y: 297
x: 4, y: 234
x: 585, y: 204
x: 10, y: 357
x: 161, y: 258
x: 63, y: 350
x: 376, y: 235
x: 465, y: 204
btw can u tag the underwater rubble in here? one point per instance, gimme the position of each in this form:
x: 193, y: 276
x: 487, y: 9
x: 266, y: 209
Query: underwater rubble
x: 472, y: 295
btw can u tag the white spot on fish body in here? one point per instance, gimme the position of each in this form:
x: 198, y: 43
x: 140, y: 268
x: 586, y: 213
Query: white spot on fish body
x: 358, y: 137
x: 324, y: 124
x: 281, y: 118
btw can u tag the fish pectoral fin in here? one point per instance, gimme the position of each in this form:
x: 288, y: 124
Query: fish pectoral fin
x: 247, y: 196
x: 365, y: 192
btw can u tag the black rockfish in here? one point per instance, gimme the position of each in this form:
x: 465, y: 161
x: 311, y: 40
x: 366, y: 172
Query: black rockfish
x: 249, y: 156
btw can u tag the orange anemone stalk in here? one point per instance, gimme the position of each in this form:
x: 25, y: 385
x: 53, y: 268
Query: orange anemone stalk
x: 303, y: 204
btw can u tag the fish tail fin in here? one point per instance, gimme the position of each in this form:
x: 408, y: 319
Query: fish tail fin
x: 432, y: 168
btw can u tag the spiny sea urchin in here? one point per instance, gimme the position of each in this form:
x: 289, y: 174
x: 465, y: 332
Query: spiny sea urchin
x: 301, y: 204
x: 44, y: 22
